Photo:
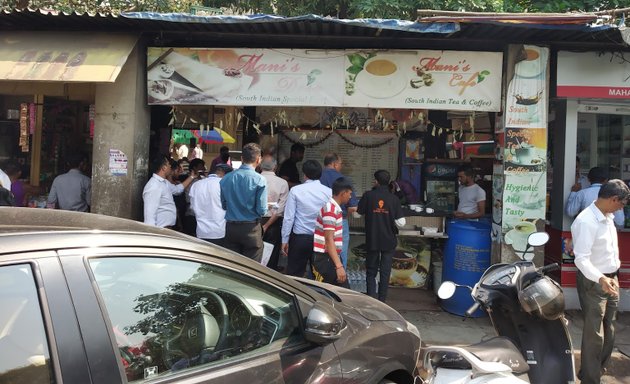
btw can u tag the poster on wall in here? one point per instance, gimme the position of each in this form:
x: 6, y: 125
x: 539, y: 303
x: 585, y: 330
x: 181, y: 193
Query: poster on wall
x: 411, y: 79
x: 410, y: 264
x: 526, y: 99
x: 525, y: 150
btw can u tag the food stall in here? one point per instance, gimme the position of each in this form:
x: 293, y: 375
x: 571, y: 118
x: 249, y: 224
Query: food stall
x: 392, y: 110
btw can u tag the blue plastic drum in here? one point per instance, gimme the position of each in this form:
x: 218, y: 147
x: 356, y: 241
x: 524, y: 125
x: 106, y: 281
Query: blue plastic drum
x: 466, y: 257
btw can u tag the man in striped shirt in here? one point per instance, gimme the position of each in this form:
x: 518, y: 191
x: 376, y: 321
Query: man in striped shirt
x: 328, y: 239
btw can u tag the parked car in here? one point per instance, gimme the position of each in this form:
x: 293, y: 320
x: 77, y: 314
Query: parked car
x: 86, y: 298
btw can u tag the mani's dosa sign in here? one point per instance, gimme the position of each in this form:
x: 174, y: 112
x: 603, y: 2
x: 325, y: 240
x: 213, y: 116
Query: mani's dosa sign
x: 291, y: 77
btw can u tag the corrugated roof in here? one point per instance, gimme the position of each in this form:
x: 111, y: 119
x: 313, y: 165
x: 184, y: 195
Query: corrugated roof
x: 178, y: 29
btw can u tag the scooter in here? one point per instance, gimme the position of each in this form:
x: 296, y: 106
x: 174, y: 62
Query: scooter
x: 526, y: 308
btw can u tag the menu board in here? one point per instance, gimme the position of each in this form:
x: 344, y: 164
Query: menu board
x: 362, y: 153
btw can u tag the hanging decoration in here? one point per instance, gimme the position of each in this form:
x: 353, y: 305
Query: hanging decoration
x: 91, y: 117
x: 23, y: 141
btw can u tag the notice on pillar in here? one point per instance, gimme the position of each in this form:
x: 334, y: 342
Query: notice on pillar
x: 117, y: 162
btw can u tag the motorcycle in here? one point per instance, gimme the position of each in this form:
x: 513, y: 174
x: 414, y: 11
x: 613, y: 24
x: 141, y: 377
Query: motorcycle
x: 526, y: 308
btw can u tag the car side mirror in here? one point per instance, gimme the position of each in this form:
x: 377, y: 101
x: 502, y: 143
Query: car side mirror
x: 323, y: 323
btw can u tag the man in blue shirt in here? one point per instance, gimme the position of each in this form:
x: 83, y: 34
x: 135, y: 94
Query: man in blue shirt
x: 580, y: 198
x: 331, y: 172
x: 300, y: 215
x: 244, y: 198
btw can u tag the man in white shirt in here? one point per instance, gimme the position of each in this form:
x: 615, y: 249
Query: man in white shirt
x: 472, y: 198
x: 300, y: 216
x: 277, y: 194
x: 159, y: 206
x: 5, y: 181
x: 205, y: 202
x: 597, y: 260
x: 182, y: 151
x: 195, y: 150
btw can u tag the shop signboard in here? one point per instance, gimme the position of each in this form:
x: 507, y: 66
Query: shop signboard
x: 593, y: 75
x: 451, y: 80
x: 67, y: 57
x: 448, y: 80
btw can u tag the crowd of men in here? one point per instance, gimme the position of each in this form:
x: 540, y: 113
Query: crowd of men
x: 304, y: 220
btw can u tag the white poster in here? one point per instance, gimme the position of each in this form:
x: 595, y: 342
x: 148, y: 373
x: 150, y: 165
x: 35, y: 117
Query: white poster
x: 117, y: 162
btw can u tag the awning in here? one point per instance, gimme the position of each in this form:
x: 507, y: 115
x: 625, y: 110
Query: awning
x: 63, y: 56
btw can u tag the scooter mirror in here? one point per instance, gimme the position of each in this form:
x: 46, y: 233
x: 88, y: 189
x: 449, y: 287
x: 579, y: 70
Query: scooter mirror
x: 447, y: 290
x: 537, y: 239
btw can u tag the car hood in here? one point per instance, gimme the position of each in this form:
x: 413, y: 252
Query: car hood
x: 366, y: 306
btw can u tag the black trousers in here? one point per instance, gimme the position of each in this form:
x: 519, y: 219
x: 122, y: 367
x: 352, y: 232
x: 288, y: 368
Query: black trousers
x: 300, y: 251
x: 273, y: 236
x: 244, y: 238
x: 324, y: 270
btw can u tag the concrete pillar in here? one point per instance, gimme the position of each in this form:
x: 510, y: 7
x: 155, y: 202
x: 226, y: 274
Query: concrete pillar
x: 122, y: 123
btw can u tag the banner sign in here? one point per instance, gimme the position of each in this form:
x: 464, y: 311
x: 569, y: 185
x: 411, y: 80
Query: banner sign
x: 526, y: 105
x: 524, y: 185
x: 593, y: 75
x: 291, y: 77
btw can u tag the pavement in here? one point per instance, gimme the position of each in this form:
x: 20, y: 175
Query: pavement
x: 420, y: 307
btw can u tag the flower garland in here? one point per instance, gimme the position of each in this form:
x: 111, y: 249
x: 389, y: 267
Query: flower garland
x: 318, y: 142
x: 309, y: 145
x: 369, y: 146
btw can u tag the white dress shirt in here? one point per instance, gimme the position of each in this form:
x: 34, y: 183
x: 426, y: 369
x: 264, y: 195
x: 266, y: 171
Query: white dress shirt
x: 277, y: 191
x: 595, y: 243
x: 5, y: 181
x: 303, y: 205
x: 159, y: 206
x: 182, y: 151
x: 205, y: 202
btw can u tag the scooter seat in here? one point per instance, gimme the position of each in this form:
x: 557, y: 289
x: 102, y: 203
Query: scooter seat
x: 502, y: 350
x: 498, y: 349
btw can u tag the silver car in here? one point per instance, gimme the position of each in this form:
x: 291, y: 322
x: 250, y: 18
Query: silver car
x: 87, y: 298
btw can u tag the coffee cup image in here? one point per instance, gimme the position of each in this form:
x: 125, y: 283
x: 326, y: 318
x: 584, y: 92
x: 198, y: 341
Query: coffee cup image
x: 517, y: 237
x: 381, y: 77
x: 531, y: 65
x: 404, y: 264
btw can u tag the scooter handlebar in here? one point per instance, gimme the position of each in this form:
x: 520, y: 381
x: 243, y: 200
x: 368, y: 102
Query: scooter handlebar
x: 549, y: 268
x: 472, y: 309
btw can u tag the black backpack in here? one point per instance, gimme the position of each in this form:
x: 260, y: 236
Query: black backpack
x: 6, y: 198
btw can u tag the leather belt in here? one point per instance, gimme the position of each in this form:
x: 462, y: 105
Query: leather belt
x: 244, y: 222
x: 612, y: 274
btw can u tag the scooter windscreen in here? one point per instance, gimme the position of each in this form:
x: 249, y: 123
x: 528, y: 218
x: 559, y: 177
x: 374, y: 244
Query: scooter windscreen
x: 501, y: 274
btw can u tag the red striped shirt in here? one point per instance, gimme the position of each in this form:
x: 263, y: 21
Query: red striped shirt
x: 329, y: 218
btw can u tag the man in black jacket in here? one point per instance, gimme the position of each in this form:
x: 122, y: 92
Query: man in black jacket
x: 382, y: 215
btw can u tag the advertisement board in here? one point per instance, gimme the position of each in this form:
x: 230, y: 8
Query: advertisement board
x: 450, y: 80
